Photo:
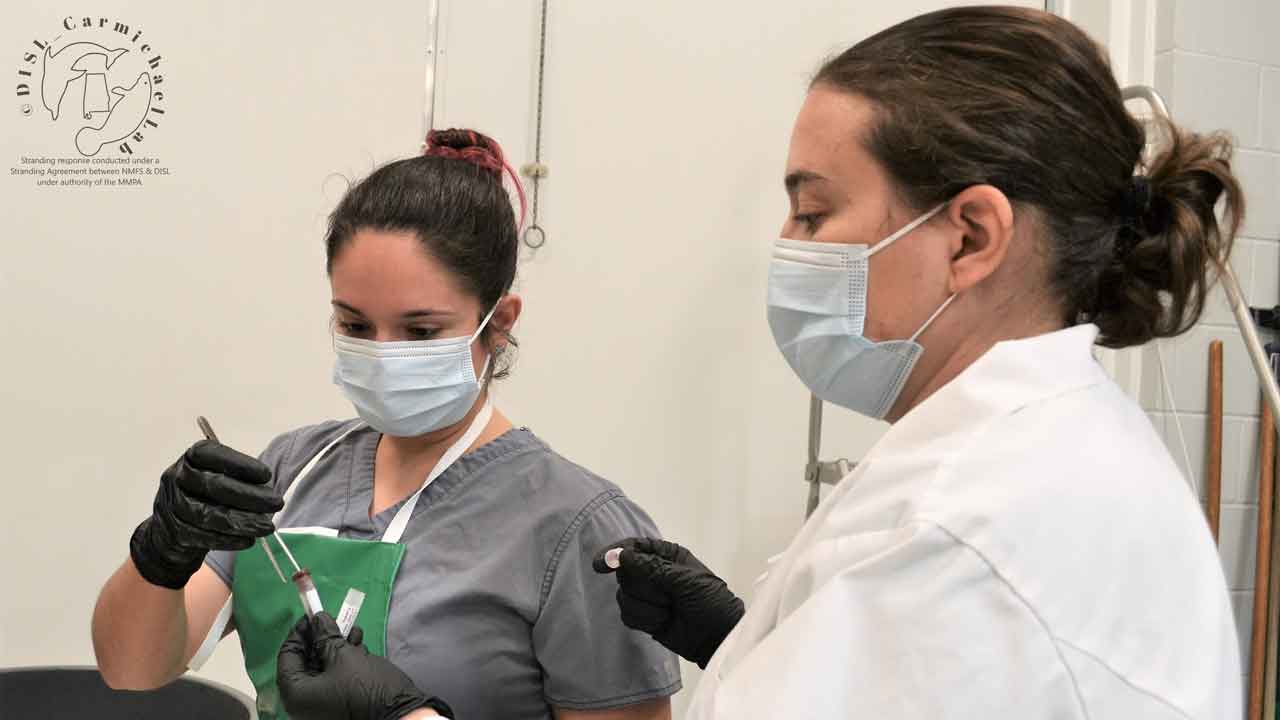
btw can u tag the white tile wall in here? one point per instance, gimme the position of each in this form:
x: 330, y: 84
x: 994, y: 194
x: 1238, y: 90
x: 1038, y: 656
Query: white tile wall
x: 1164, y: 26
x: 1237, y: 539
x: 1211, y: 93
x: 1218, y: 65
x: 1164, y: 75
x: 1260, y: 172
x: 1191, y: 373
x: 1239, y: 453
x: 1269, y: 111
x: 1225, y: 28
x: 1264, y: 284
x: 1268, y: 22
x: 1242, y: 606
x: 1242, y: 485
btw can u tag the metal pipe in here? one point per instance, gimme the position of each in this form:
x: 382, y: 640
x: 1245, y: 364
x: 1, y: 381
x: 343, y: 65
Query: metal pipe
x: 433, y: 56
x: 1252, y: 344
x: 815, y: 429
x: 812, y: 470
x: 1148, y: 93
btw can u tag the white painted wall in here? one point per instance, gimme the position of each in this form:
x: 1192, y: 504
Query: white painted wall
x: 130, y: 311
x: 645, y: 355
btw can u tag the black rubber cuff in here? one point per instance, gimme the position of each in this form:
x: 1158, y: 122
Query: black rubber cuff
x: 734, y: 614
x: 154, y: 570
x: 439, y: 706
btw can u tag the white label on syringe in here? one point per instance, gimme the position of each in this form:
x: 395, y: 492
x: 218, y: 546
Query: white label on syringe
x: 350, y: 609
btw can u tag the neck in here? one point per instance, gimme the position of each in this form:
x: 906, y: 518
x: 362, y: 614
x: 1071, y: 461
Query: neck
x: 402, y: 463
x: 932, y: 373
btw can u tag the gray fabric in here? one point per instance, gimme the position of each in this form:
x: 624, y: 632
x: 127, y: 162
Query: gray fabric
x: 496, y: 608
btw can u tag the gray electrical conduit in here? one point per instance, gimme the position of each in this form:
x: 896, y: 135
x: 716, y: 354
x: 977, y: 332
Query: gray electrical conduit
x: 1235, y: 298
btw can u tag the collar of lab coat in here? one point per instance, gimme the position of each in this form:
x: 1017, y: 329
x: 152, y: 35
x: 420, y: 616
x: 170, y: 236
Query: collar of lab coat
x: 1010, y: 376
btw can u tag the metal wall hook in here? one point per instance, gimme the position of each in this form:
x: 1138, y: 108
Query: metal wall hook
x: 529, y: 233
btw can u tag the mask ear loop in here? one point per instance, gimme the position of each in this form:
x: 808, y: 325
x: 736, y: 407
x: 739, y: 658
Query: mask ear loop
x: 485, y: 321
x: 484, y: 371
x: 894, y: 237
x: 903, y: 231
x: 932, y: 317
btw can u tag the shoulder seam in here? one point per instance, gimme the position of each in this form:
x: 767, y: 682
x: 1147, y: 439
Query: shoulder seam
x: 453, y: 488
x: 578, y: 521
x: 1075, y: 684
x: 287, y: 457
x: 1123, y: 678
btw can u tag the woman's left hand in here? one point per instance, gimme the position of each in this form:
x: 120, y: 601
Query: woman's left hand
x: 324, y: 676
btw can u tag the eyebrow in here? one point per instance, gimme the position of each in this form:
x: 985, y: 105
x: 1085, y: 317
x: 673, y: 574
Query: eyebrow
x: 411, y: 314
x: 801, y: 177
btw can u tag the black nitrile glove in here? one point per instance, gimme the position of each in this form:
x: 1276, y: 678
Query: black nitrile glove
x: 212, y: 498
x: 324, y: 676
x: 665, y: 591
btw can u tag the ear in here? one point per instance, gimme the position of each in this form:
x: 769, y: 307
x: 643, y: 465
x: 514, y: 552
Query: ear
x: 505, y: 317
x: 983, y: 217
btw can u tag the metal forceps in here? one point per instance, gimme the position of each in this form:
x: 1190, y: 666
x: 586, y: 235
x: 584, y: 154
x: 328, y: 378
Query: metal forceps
x: 301, y: 577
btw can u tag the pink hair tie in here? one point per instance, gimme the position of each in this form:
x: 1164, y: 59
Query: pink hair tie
x: 484, y: 153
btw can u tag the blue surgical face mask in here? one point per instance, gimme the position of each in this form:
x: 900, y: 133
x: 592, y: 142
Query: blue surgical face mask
x: 410, y: 388
x: 818, y: 314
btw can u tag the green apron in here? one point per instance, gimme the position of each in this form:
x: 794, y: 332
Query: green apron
x: 266, y: 609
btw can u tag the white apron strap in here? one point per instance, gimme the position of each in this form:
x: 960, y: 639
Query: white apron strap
x: 311, y: 464
x: 394, y: 531
x: 211, y: 639
x: 401, y: 521
x: 224, y: 615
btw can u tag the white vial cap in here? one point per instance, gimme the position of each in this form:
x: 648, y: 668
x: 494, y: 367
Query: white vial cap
x: 613, y: 558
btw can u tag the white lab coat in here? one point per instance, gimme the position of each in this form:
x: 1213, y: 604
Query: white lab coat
x: 1020, y: 545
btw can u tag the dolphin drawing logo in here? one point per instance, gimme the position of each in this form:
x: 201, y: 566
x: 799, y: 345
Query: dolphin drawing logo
x: 65, y: 67
x: 127, y: 114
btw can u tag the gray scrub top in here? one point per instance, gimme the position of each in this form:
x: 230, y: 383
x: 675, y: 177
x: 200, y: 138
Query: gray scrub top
x: 496, y: 608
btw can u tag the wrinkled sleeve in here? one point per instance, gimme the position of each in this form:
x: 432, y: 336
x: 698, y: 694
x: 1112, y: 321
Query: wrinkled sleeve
x: 590, y: 660
x: 907, y: 623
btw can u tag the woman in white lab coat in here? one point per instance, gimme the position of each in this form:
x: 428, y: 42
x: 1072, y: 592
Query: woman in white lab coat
x: 971, y: 212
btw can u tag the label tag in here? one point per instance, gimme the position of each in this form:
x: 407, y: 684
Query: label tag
x: 350, y: 609
x: 311, y: 602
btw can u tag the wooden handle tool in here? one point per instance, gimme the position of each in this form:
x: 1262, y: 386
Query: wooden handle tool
x: 1213, y: 456
x: 1262, y: 577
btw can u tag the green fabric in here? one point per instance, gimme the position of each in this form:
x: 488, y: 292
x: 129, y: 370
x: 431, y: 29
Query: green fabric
x: 265, y: 609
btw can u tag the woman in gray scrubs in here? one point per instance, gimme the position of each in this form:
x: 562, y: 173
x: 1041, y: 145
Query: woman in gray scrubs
x: 459, y: 544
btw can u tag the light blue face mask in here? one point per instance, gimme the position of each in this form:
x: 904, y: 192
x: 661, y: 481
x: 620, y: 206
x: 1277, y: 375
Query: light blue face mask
x: 818, y: 314
x: 409, y: 388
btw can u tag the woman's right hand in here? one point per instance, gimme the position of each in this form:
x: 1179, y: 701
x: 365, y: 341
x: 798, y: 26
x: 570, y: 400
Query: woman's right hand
x: 212, y: 498
x: 665, y: 591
